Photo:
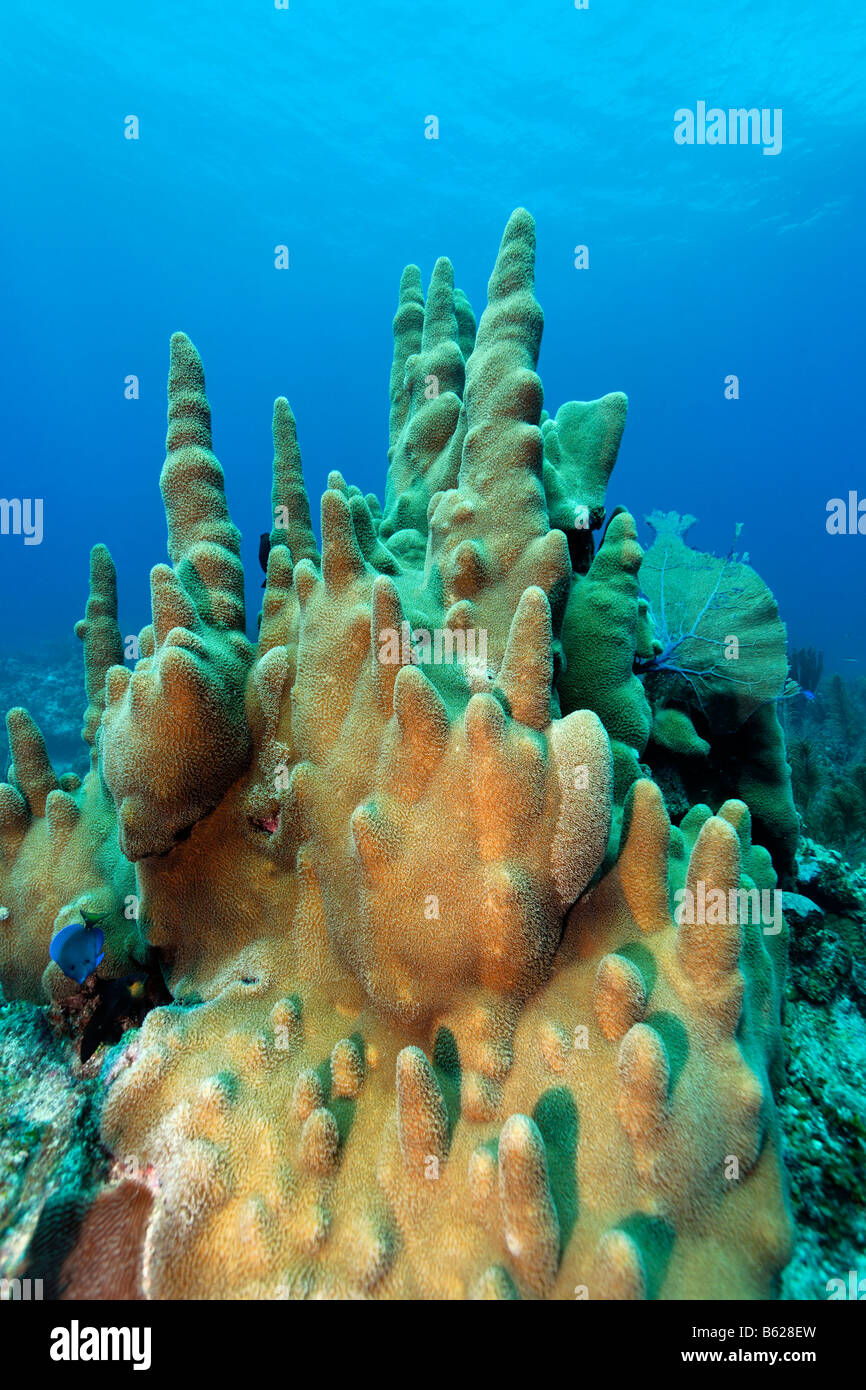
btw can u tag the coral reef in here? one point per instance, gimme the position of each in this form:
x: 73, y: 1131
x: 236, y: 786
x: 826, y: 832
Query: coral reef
x: 50, y: 673
x: 821, y: 1102
x: 52, y: 1165
x: 807, y: 666
x: 826, y: 736
x: 433, y: 1031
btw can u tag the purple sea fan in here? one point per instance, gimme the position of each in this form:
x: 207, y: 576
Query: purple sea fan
x: 717, y: 626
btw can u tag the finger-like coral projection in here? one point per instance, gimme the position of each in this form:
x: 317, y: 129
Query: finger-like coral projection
x: 438, y: 1026
x: 580, y: 449
x: 185, y: 698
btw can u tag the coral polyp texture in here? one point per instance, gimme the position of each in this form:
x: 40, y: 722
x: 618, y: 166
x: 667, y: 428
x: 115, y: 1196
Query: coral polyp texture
x: 431, y: 1027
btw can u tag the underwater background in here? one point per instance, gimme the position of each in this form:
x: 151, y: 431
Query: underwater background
x: 307, y: 127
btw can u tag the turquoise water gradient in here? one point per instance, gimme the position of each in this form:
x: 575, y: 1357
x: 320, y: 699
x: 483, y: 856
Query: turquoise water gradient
x: 306, y: 127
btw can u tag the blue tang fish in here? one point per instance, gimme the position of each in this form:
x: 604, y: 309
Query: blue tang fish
x: 78, y: 948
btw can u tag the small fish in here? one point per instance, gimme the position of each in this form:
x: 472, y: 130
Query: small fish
x: 78, y: 948
x: 264, y: 552
x: 808, y: 694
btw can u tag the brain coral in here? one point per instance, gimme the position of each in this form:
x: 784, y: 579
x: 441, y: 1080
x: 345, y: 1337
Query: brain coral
x: 433, y: 1030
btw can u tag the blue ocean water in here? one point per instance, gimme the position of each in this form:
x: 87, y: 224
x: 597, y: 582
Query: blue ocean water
x: 305, y: 126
